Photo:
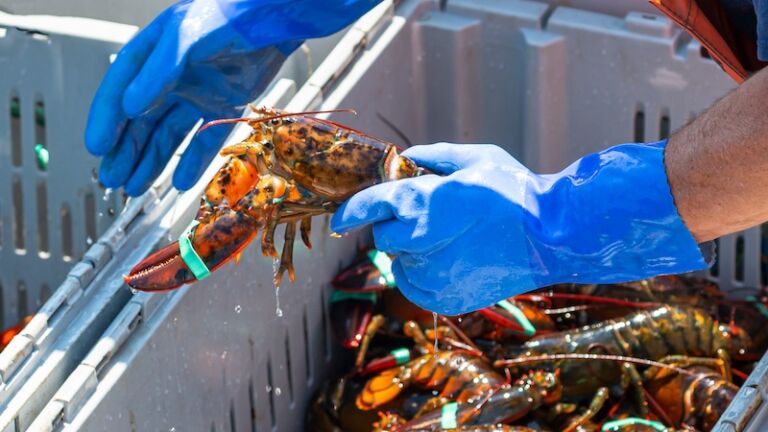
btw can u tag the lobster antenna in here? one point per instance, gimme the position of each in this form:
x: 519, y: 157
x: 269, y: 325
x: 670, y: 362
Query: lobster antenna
x: 460, y: 333
x: 578, y: 356
x: 595, y: 299
x: 276, y: 116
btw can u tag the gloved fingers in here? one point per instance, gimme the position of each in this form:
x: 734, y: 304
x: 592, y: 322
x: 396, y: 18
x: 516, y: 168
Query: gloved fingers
x: 117, y: 166
x: 447, y: 158
x: 198, y: 156
x: 367, y: 206
x: 395, y: 236
x: 169, y: 133
x: 402, y: 199
x: 107, y: 119
x: 435, y: 301
x: 156, y: 77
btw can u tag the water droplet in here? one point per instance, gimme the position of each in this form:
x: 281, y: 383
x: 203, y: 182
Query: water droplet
x: 107, y: 194
x: 101, y: 214
x: 94, y: 175
x: 268, y: 389
x: 275, y: 267
x: 88, y: 240
x: 172, y: 429
x: 278, y: 391
x: 111, y: 211
x: 223, y: 355
x: 238, y: 309
x: 434, y: 321
x: 134, y: 291
x: 336, y: 235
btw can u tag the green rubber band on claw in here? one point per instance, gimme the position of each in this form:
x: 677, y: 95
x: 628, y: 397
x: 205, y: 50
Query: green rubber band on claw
x: 383, y: 264
x: 629, y: 421
x: 448, y: 416
x: 528, y: 328
x: 338, y: 296
x: 193, y: 261
x: 401, y: 355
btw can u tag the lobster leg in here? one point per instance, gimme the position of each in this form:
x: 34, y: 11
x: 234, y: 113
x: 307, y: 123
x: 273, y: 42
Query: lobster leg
x: 286, y: 260
x: 306, y: 230
x: 594, y: 407
x: 268, y: 238
x: 432, y: 404
x: 631, y: 377
x: 370, y: 330
x: 412, y: 330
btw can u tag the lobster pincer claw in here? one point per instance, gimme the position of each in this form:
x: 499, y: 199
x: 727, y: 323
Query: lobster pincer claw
x: 201, y: 249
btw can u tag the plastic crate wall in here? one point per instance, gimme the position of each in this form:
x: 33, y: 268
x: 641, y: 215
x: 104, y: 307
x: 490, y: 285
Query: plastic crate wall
x: 136, y: 12
x: 548, y: 85
x: 48, y: 217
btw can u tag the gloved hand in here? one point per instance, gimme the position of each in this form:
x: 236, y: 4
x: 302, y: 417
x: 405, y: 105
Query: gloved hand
x: 198, y: 59
x: 490, y: 228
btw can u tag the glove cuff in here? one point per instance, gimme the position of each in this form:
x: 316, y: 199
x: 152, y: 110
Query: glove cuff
x: 609, y: 217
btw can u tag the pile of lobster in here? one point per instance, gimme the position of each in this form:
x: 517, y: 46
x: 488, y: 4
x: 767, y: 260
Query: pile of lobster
x: 664, y: 354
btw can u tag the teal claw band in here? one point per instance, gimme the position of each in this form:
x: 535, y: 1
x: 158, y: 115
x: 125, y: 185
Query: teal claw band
x: 448, y: 417
x: 338, y: 296
x: 401, y: 355
x: 615, y: 425
x: 383, y: 264
x: 190, y: 257
x: 528, y: 328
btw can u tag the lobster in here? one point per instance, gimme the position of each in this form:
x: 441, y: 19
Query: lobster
x: 697, y: 399
x: 367, y: 286
x: 291, y: 168
x: 503, y: 404
x: 390, y: 422
x: 656, y: 334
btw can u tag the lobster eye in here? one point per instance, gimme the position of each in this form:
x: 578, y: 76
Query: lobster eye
x: 268, y: 145
x: 275, y: 122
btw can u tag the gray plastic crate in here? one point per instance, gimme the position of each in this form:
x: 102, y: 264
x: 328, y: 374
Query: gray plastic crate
x: 135, y: 12
x: 50, y: 71
x: 548, y: 85
x: 59, y: 62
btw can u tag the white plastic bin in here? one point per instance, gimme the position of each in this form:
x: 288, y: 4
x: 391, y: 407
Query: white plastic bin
x: 549, y: 85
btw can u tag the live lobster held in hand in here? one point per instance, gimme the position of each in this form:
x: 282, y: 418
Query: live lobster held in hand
x: 290, y: 168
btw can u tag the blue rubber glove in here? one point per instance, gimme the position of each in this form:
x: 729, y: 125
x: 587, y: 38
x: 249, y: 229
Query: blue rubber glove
x: 490, y: 228
x: 198, y: 59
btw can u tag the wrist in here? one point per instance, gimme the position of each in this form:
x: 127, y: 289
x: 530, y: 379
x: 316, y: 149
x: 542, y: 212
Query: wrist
x: 609, y: 217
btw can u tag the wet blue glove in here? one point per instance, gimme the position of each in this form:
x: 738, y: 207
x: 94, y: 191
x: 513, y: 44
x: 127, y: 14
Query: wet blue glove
x: 489, y: 228
x: 198, y: 59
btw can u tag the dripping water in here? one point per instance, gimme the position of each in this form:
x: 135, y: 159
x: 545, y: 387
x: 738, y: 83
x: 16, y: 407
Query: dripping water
x: 107, y: 194
x: 275, y: 267
x: 434, y: 321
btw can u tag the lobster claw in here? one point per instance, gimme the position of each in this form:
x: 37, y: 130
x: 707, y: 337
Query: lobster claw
x: 221, y: 237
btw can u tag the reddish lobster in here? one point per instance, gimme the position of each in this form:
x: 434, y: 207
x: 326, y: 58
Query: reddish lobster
x: 292, y: 167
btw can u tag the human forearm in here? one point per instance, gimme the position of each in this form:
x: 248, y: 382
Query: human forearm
x: 717, y: 166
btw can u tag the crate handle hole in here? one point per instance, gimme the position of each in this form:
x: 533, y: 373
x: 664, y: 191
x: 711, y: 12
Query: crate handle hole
x: 639, y: 125
x: 67, y: 244
x: 18, y: 216
x: 15, y: 114
x: 43, y: 241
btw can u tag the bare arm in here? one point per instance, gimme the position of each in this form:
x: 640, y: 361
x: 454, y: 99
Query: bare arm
x: 718, y: 165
